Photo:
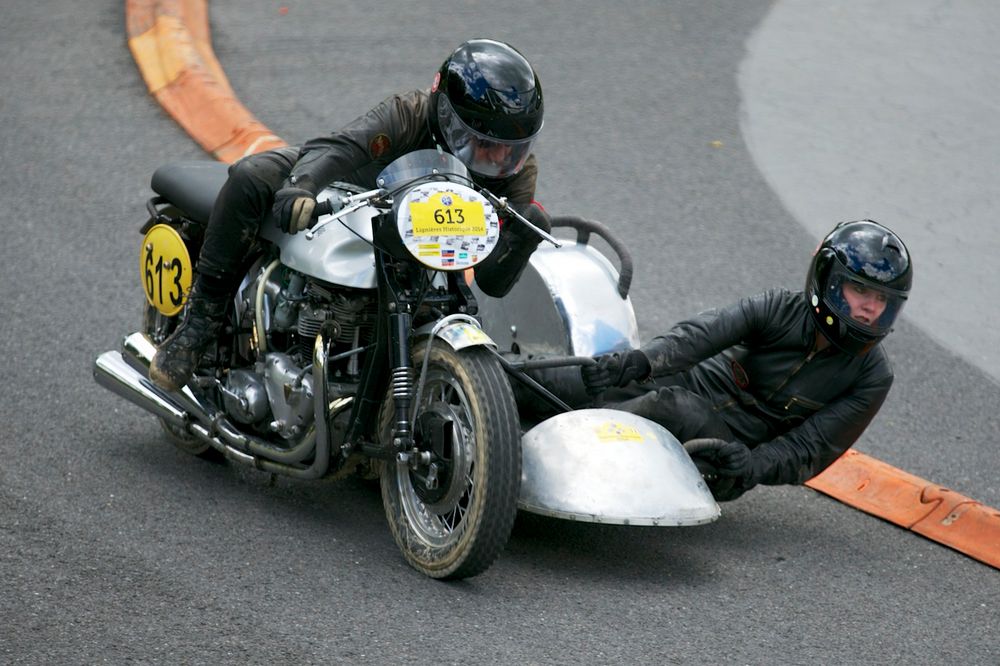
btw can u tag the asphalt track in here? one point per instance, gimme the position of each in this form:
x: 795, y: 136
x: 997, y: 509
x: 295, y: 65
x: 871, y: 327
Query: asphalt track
x: 115, y: 548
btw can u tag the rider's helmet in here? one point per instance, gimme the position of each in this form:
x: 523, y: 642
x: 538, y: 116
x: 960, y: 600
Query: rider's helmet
x: 486, y: 107
x: 858, y: 261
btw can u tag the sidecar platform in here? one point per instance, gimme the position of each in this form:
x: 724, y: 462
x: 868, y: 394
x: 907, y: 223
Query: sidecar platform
x: 609, y: 466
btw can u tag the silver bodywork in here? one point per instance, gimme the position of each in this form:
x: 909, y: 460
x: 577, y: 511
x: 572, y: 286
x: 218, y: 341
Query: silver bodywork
x: 593, y: 465
x: 608, y: 466
x: 340, y: 253
x: 565, y: 303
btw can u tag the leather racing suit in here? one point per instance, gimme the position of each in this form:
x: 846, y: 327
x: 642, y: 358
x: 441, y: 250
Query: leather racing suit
x: 751, y: 371
x: 356, y: 154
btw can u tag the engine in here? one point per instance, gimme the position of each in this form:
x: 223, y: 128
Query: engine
x: 273, y: 392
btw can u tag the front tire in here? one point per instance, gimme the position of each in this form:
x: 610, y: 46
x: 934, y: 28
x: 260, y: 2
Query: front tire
x: 457, y: 527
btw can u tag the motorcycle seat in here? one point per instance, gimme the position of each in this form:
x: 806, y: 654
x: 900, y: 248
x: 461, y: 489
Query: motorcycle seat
x: 191, y: 186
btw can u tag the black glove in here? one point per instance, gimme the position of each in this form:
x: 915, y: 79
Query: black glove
x: 498, y: 273
x: 293, y: 207
x: 615, y: 369
x: 533, y: 213
x: 727, y: 466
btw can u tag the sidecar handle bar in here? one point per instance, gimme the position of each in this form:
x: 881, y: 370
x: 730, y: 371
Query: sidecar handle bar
x: 583, y: 230
x: 516, y: 370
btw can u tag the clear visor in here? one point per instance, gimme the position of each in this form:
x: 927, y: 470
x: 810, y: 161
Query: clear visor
x: 862, y: 305
x: 484, y: 155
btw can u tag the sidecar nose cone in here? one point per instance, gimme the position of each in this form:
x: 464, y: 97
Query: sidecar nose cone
x: 608, y: 466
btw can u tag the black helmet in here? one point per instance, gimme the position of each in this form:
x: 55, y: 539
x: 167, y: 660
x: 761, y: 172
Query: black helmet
x: 486, y: 107
x: 858, y: 282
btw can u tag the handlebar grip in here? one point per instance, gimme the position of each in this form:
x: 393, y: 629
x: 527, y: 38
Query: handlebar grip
x: 322, y: 208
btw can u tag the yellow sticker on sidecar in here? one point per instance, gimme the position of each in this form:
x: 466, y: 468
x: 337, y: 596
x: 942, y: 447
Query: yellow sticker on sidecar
x: 447, y: 214
x: 165, y: 266
x: 617, y: 432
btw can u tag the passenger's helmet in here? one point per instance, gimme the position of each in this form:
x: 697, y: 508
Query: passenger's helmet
x: 860, y: 259
x: 486, y: 107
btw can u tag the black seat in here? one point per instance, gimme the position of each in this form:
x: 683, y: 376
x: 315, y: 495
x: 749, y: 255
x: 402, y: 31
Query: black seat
x: 192, y: 186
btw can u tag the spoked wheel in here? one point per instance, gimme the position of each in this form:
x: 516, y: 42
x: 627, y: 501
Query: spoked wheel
x: 451, y: 504
x: 158, y: 326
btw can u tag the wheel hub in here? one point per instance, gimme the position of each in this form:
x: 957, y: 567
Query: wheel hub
x: 438, y: 472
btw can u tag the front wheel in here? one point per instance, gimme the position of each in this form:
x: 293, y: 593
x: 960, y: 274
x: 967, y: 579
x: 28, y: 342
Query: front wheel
x: 452, y: 505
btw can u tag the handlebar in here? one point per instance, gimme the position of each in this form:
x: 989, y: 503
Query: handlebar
x: 584, y: 229
x: 350, y: 204
x: 322, y: 208
x: 552, y: 362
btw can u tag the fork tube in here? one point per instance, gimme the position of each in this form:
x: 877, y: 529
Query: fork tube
x: 403, y: 379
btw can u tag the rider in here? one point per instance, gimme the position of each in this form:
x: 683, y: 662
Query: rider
x: 485, y: 107
x: 777, y: 386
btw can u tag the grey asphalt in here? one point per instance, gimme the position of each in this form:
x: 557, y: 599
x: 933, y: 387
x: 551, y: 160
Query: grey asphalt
x: 115, y: 548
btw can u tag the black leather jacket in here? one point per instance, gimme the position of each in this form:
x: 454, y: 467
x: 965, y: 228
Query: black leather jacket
x: 756, y: 361
x: 358, y: 152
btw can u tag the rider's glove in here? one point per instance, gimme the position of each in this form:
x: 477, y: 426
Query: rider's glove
x: 732, y: 462
x: 497, y: 274
x: 293, y: 207
x: 615, y: 369
x: 533, y: 213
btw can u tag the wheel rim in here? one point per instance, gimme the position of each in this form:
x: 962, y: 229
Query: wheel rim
x: 443, y: 521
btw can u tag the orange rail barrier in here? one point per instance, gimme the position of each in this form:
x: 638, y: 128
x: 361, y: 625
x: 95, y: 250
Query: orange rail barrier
x: 170, y: 42
x: 914, y: 504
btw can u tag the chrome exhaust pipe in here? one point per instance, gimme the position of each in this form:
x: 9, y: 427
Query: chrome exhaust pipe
x: 126, y: 374
x: 113, y: 373
x: 138, y: 351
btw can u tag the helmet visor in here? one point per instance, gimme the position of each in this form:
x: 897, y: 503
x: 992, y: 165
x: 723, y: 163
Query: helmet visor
x: 484, y: 155
x: 865, y: 306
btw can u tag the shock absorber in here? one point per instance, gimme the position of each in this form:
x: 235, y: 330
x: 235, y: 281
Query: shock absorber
x: 402, y: 381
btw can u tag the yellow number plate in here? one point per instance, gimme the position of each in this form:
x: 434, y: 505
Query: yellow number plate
x: 165, y: 267
x: 447, y: 214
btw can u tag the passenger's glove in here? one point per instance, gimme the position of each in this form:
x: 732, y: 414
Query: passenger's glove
x: 293, y: 207
x: 728, y: 466
x: 615, y: 369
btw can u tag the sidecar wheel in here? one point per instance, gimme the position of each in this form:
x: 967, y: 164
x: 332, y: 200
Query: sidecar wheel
x: 456, y: 527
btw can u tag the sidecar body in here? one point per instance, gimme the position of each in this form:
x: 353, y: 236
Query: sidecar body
x: 592, y: 465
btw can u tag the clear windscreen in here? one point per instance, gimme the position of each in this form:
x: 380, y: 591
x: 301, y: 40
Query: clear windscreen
x: 418, y: 164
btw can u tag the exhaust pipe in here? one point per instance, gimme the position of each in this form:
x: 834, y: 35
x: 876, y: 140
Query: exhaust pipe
x: 126, y: 375
x: 118, y: 373
x: 113, y: 373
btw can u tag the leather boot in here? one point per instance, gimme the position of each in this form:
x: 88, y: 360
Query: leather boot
x: 177, y: 358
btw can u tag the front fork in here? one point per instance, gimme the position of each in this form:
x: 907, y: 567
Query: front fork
x: 402, y: 382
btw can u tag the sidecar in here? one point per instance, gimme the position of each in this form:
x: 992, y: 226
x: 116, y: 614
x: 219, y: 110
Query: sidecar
x: 591, y: 465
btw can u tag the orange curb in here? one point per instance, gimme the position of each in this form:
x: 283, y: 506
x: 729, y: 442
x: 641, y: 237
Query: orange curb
x: 170, y: 43
x: 914, y: 504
